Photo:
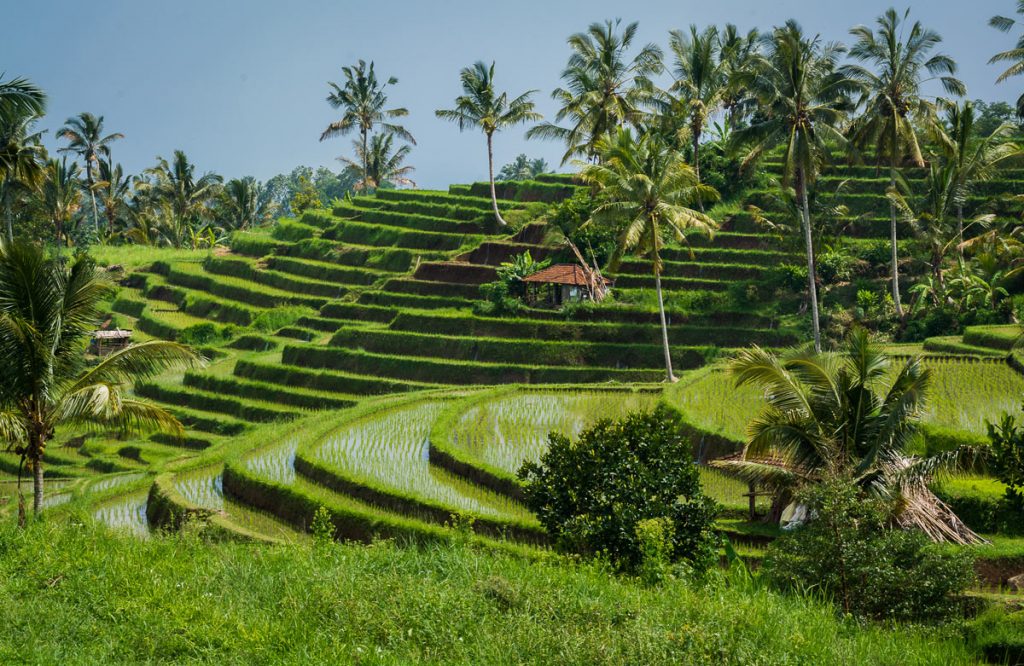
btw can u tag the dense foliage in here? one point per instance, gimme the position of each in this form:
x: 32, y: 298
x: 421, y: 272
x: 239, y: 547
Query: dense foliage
x: 850, y: 553
x: 592, y: 493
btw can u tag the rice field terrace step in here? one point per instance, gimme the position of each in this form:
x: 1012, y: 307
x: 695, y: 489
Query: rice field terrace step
x: 268, y: 393
x: 765, y: 258
x: 247, y: 269
x: 236, y: 289
x: 563, y: 178
x: 455, y: 272
x: 1001, y: 338
x: 427, y: 288
x: 495, y: 253
x: 358, y: 312
x: 413, y: 301
x: 351, y: 231
x: 327, y: 272
x: 647, y: 354
x: 694, y: 269
x: 525, y: 190
x: 411, y: 221
x: 168, y: 324
x: 208, y: 422
x: 688, y: 284
x: 730, y: 240
x: 243, y: 409
x: 332, y: 252
x: 339, y: 383
x: 483, y: 204
x: 628, y: 314
x: 380, y: 459
x: 297, y: 333
x: 955, y: 345
x: 439, y: 371
x: 564, y: 331
x: 449, y: 211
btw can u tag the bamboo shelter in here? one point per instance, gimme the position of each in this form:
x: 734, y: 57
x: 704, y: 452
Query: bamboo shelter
x: 562, y: 283
x: 108, y: 342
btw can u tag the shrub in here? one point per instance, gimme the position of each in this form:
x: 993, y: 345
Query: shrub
x: 850, y: 552
x: 592, y: 494
x: 1007, y: 462
x: 204, y: 334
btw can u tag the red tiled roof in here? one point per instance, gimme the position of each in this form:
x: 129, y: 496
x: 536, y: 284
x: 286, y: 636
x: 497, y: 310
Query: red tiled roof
x: 561, y: 274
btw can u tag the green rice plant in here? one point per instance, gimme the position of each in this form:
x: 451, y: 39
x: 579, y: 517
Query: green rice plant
x: 127, y: 513
x: 389, y: 451
x: 274, y: 463
x: 411, y: 221
x: 323, y: 380
x: 201, y: 487
x: 509, y: 430
x: 455, y: 197
x: 360, y: 233
x: 966, y: 395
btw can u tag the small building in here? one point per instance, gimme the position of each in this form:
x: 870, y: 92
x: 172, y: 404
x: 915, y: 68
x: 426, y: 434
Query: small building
x: 563, y: 283
x: 108, y: 342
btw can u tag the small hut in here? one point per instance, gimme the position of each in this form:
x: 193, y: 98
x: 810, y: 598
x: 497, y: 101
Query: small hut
x: 108, y: 342
x: 563, y: 283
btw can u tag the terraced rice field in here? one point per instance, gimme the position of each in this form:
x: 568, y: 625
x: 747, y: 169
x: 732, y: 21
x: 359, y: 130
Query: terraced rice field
x: 506, y: 432
x: 391, y: 451
x: 275, y: 463
x: 127, y: 512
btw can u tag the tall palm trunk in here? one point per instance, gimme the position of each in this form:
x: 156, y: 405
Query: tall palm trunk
x: 35, y: 458
x: 490, y: 175
x: 669, y: 375
x: 366, y: 164
x: 812, y: 287
x: 696, y: 161
x: 960, y: 230
x: 92, y: 195
x: 892, y: 235
x: 9, y: 219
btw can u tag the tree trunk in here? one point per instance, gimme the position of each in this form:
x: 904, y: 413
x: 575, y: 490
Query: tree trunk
x: 960, y: 230
x: 37, y: 485
x: 664, y: 323
x: 92, y: 195
x: 812, y: 287
x: 8, y: 218
x: 490, y: 175
x: 696, y: 165
x: 366, y: 165
x: 892, y: 239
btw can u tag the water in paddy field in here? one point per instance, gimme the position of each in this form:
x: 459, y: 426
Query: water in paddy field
x: 127, y: 512
x: 55, y: 491
x: 113, y: 481
x: 275, y: 463
x: 202, y: 487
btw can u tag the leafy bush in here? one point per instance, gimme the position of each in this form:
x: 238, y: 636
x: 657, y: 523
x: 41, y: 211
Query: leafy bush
x: 592, y: 494
x: 999, y: 635
x: 204, y: 334
x: 1007, y: 462
x: 850, y: 552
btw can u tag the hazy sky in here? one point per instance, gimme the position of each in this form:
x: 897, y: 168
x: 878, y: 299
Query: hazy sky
x: 240, y: 85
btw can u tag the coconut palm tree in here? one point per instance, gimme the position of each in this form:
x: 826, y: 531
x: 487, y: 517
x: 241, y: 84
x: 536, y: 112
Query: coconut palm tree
x: 362, y: 100
x: 480, y: 105
x: 188, y: 199
x: 114, y: 190
x: 645, y: 190
x: 48, y: 310
x: 382, y: 165
x: 245, y: 203
x: 19, y: 98
x: 802, y: 100
x: 60, y: 196
x: 850, y: 415
x: 1014, y: 56
x: 21, y: 157
x: 893, y: 101
x: 84, y: 134
x: 523, y: 168
x: 737, y: 56
x: 699, y: 80
x: 603, y: 88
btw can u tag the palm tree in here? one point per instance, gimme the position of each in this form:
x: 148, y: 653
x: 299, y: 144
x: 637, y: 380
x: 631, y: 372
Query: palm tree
x: 844, y: 416
x: 737, y: 56
x: 114, y: 188
x: 245, y: 203
x: 48, y: 310
x: 362, y: 100
x: 802, y: 100
x: 21, y: 157
x: 60, y: 195
x: 482, y: 106
x: 603, y: 90
x: 84, y: 134
x: 382, y: 164
x: 893, y: 100
x: 19, y: 98
x: 699, y: 80
x: 645, y: 190
x: 188, y: 198
x: 1015, y: 56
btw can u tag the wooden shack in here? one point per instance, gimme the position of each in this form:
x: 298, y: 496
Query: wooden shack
x: 562, y: 283
x: 108, y: 342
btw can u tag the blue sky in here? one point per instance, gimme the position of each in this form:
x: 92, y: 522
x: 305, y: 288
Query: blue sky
x: 240, y: 85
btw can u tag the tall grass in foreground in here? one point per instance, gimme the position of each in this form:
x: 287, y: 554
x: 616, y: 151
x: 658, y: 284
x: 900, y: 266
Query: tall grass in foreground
x: 73, y: 593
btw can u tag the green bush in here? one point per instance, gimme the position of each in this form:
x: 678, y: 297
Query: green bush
x: 1007, y: 462
x: 850, y: 552
x: 999, y: 635
x: 204, y: 334
x: 593, y: 494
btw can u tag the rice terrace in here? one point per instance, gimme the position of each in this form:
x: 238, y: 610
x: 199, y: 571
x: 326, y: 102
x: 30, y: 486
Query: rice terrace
x: 685, y: 341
